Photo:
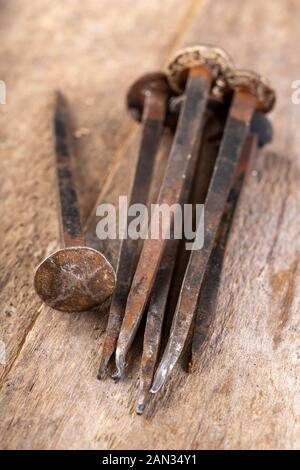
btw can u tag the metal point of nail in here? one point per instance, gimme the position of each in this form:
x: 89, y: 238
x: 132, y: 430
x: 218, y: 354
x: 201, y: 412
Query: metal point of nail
x: 250, y: 93
x: 75, y: 277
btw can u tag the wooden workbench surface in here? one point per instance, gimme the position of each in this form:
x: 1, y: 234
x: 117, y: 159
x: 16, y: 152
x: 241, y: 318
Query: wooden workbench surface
x: 245, y: 392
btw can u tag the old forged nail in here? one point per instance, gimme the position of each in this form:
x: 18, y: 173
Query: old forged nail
x: 250, y: 93
x: 195, y: 70
x: 147, y: 100
x: 74, y: 278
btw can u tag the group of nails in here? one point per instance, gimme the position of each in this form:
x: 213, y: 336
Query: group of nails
x: 202, y: 98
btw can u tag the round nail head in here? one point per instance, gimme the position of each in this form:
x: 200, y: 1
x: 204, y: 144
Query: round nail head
x: 155, y: 82
x: 215, y: 58
x: 74, y: 279
x: 256, y: 84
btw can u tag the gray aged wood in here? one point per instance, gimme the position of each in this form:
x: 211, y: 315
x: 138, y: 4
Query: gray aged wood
x: 245, y: 392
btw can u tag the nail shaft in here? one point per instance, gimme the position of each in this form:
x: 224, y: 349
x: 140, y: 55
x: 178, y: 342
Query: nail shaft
x: 70, y: 226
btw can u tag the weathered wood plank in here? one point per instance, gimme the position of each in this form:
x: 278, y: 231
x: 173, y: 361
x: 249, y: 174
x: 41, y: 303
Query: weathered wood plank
x: 245, y: 393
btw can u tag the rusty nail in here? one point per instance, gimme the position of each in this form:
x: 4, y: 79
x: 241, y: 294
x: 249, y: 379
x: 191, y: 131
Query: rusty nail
x: 76, y: 277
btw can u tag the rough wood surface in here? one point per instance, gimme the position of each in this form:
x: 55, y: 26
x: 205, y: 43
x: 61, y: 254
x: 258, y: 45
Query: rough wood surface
x: 245, y: 392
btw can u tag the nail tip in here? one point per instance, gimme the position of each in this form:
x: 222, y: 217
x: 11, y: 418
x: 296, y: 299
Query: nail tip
x: 60, y: 99
x: 140, y: 408
x: 117, y: 375
x: 120, y: 363
x: 101, y: 375
x: 141, y: 403
x: 156, y: 387
x: 103, y: 367
x: 159, y: 379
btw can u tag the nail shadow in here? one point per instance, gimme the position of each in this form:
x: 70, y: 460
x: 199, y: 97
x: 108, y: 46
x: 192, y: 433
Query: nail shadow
x: 207, y: 301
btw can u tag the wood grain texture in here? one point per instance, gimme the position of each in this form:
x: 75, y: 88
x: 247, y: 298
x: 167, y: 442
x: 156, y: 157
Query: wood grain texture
x: 245, y: 391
